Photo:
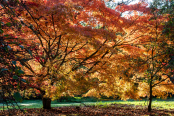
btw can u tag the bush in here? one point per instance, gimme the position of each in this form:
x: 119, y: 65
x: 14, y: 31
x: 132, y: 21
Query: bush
x: 66, y: 99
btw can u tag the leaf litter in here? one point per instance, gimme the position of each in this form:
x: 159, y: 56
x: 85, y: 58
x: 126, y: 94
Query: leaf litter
x: 110, y: 110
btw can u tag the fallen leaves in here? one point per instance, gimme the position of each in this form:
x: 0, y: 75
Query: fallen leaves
x: 112, y: 110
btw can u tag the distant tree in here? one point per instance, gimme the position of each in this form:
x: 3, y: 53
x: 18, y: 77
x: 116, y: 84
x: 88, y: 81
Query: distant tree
x: 156, y: 64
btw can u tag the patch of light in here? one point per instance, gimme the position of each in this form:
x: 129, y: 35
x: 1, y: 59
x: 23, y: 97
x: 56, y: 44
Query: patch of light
x: 28, y: 104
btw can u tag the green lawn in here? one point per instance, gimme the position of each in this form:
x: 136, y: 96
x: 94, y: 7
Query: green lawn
x: 157, y: 103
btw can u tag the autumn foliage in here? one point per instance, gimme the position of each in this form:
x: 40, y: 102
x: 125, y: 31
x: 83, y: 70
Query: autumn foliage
x: 82, y: 47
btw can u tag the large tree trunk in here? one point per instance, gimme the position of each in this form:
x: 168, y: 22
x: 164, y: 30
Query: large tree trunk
x: 46, y: 103
x: 150, y: 97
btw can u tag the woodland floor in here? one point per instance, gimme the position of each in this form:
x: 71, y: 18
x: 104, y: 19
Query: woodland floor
x: 112, y: 110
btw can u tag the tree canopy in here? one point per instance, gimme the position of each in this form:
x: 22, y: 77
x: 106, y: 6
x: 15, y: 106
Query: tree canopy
x: 71, y: 47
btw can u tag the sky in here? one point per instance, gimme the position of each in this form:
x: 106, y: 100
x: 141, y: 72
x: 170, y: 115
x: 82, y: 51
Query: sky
x: 133, y: 1
x: 115, y: 2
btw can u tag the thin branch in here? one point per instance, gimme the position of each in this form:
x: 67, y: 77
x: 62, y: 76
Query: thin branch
x: 34, y: 20
x: 54, y: 25
x: 65, y: 53
x: 74, y: 68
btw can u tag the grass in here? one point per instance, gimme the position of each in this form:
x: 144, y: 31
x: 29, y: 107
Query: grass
x: 157, y: 103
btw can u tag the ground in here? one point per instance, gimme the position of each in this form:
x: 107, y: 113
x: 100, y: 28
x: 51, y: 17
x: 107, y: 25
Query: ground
x: 102, y: 110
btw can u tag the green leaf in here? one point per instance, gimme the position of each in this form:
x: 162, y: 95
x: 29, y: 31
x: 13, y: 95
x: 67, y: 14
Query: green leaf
x: 15, y: 77
x: 24, y: 93
x: 30, y: 52
x: 20, y: 25
x: 31, y: 26
x: 18, y: 85
x: 1, y: 31
x: 6, y: 35
x: 14, y: 62
x: 22, y: 63
x: 22, y: 47
x: 8, y: 24
x: 4, y: 69
x: 16, y: 67
x: 9, y: 47
x: 83, y: 67
x: 149, y: 80
x: 17, y: 96
x: 27, y: 82
x: 24, y: 80
x: 95, y: 79
x: 25, y: 60
x: 20, y: 72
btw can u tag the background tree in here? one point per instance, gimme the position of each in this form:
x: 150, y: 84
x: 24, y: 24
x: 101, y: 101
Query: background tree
x: 155, y: 66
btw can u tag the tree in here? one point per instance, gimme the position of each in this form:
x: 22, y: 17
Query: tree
x: 10, y: 73
x: 61, y: 52
x: 155, y: 66
x: 73, y: 48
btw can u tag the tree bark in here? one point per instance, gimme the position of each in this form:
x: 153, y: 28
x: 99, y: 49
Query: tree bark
x: 150, y: 97
x: 46, y: 103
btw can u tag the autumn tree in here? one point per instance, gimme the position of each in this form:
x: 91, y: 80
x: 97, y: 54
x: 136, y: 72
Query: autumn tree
x: 75, y: 47
x: 10, y: 84
x: 57, y: 47
x: 155, y: 66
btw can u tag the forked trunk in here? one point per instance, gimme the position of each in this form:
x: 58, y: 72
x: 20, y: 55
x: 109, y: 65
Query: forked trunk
x: 46, y: 103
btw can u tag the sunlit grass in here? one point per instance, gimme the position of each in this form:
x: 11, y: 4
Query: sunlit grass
x: 157, y: 103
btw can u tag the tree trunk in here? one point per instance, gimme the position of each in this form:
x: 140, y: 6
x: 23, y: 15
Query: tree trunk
x: 46, y: 103
x: 150, y: 97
